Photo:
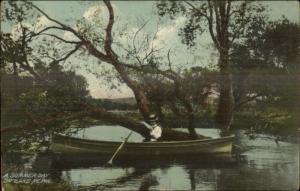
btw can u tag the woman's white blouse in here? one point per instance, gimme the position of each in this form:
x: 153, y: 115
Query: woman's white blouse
x: 155, y: 132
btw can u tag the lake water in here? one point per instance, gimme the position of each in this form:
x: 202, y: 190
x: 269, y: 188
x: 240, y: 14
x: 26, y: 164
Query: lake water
x: 258, y: 164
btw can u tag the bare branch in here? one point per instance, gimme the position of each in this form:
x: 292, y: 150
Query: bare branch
x: 90, y: 47
x: 241, y: 103
x: 63, y: 26
x: 152, y: 51
x: 32, y: 34
x: 24, y: 64
x: 135, y: 35
x: 147, y: 39
x: 70, y: 53
x: 167, y: 73
x: 61, y: 39
x: 47, y: 16
x: 197, y: 10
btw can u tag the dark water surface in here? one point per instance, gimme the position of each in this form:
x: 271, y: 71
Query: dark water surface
x: 259, y: 164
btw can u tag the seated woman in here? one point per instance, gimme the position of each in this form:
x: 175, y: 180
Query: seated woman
x: 155, y: 129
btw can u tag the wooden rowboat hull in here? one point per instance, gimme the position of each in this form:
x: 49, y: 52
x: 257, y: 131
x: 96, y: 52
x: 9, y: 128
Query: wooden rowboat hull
x: 76, y: 146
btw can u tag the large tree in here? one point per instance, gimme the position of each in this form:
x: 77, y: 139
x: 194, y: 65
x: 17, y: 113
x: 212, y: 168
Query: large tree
x: 226, y: 22
x: 97, y: 44
x: 102, y: 50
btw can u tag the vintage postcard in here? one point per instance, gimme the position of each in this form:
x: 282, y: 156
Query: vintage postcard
x: 150, y: 95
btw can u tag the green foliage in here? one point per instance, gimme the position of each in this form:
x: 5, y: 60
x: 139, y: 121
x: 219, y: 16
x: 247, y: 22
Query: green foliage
x: 267, y: 65
x: 271, y: 57
x: 16, y: 11
x: 263, y: 56
x: 259, y: 52
x: 171, y: 91
x: 24, y: 99
x: 63, y: 92
x: 281, y: 45
x: 269, y: 120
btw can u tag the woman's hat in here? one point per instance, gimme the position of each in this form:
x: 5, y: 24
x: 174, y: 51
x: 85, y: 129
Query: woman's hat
x: 152, y: 118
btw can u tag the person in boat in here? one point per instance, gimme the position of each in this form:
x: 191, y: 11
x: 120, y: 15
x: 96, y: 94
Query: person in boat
x: 153, y: 125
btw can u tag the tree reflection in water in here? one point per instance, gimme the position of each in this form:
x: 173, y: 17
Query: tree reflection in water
x: 191, y: 173
x: 146, y: 174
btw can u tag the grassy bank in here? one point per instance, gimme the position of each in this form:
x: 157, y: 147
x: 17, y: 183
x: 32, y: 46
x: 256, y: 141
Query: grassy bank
x: 36, y: 187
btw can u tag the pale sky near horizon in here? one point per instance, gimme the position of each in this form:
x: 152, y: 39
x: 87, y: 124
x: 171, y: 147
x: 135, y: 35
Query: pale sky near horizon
x: 134, y: 12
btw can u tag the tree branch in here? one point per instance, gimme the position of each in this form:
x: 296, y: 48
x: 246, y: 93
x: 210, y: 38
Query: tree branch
x: 96, y: 113
x: 211, y: 25
x: 70, y: 53
x: 209, y: 19
x: 33, y: 34
x: 61, y: 39
x: 53, y: 20
x: 197, y: 10
x: 92, y: 49
x: 241, y: 103
x: 108, y: 39
x: 135, y: 35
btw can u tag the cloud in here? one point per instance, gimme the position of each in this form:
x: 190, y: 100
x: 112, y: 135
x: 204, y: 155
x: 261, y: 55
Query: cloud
x: 44, y: 22
x: 166, y: 37
x: 69, y: 36
x: 168, y: 33
x: 16, y: 30
x: 94, y: 12
x: 36, y: 26
x: 99, y: 12
x: 128, y: 35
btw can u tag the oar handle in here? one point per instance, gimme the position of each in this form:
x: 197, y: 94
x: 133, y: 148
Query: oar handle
x: 126, y: 139
x: 119, y: 148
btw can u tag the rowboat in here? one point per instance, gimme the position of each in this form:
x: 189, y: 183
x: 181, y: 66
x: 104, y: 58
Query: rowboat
x: 67, y: 145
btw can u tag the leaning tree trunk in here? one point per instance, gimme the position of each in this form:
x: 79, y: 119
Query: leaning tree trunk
x: 224, y: 114
x: 97, y: 113
x: 142, y: 102
x: 138, y: 91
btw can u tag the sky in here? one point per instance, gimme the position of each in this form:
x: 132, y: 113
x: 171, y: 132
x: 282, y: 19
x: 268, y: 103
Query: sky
x: 133, y: 14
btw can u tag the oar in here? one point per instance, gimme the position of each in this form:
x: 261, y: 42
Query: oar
x: 119, y: 148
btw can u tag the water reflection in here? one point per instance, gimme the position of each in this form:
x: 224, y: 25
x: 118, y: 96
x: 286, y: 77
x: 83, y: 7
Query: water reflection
x: 137, y: 177
x: 262, y: 164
